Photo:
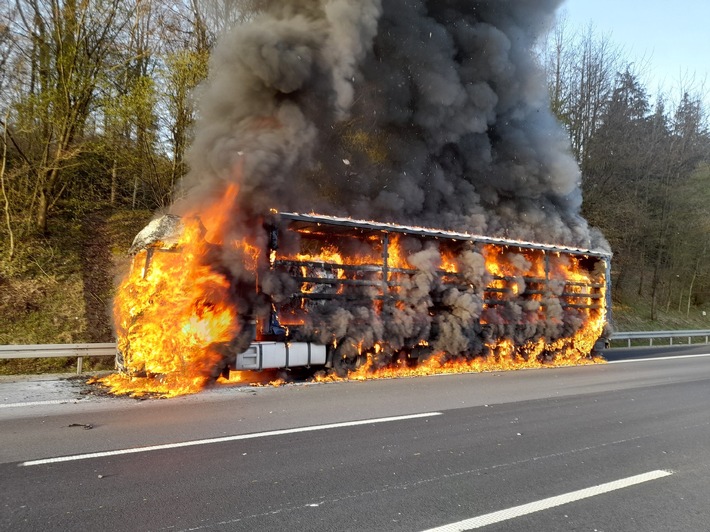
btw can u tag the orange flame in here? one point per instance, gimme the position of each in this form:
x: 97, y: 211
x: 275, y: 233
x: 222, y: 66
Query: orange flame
x: 171, y: 317
x: 503, y: 354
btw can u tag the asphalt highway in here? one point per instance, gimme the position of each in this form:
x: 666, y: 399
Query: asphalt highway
x: 622, y: 446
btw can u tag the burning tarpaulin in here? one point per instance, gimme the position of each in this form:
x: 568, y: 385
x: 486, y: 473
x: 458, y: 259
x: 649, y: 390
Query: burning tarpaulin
x: 413, y: 112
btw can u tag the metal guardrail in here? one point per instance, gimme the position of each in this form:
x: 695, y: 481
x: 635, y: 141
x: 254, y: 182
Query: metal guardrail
x: 59, y: 350
x: 652, y: 335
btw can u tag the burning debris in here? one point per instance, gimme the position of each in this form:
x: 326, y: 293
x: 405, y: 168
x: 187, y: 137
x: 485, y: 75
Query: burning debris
x: 410, y: 112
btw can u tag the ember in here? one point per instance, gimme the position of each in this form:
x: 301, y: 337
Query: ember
x: 408, y: 112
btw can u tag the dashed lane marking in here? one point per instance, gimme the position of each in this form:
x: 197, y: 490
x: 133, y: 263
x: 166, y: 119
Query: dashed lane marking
x: 223, y: 439
x: 550, y: 502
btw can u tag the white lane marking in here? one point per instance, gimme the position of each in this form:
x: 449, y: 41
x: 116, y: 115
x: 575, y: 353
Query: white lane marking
x: 39, y: 403
x: 222, y: 439
x: 657, y: 358
x: 551, y: 502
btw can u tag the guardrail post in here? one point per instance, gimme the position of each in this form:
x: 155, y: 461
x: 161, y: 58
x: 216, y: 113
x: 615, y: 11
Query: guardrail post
x: 671, y: 339
x: 690, y: 338
x: 650, y: 342
x: 83, y: 350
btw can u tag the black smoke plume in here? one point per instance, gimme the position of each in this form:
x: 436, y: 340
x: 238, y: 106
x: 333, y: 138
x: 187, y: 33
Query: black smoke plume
x: 427, y: 112
x: 432, y: 113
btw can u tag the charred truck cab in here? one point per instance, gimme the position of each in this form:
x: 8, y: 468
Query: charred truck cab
x: 331, y: 291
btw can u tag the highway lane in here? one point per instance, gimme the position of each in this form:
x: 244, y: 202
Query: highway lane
x: 501, y: 440
x: 620, y: 354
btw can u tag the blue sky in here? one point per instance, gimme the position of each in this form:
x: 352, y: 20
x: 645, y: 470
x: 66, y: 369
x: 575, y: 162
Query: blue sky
x: 671, y: 40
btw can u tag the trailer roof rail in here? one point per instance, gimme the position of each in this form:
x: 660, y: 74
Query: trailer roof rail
x: 370, y: 226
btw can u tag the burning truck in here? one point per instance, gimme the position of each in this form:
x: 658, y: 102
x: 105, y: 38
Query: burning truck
x: 431, y: 117
x: 357, y: 298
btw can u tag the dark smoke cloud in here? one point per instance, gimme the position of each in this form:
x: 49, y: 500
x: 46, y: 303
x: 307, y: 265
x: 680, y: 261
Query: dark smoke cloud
x: 431, y: 113
x: 427, y: 112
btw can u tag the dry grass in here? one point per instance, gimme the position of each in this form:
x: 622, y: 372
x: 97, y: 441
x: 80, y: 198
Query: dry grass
x: 636, y: 317
x: 45, y: 291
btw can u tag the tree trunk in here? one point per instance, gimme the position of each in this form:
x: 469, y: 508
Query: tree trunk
x: 680, y: 300
x: 114, y: 184
x: 11, y: 250
x: 695, y: 275
x: 690, y: 292
x: 42, y: 208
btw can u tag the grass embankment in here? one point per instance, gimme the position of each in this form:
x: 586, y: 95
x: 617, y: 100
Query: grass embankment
x: 58, y: 288
x: 637, y: 317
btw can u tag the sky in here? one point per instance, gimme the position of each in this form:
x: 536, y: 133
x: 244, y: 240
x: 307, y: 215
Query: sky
x: 670, y: 40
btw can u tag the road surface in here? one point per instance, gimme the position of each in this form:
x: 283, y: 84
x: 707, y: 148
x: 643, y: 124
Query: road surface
x: 622, y: 446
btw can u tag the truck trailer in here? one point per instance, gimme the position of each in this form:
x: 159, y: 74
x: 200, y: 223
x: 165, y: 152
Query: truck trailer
x: 333, y: 292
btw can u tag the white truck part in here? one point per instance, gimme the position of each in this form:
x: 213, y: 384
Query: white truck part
x: 267, y: 355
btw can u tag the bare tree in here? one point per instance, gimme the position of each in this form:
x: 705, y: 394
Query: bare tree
x: 69, y: 44
x: 6, y: 199
x: 580, y: 71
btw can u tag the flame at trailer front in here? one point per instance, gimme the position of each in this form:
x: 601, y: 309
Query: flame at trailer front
x: 174, y: 315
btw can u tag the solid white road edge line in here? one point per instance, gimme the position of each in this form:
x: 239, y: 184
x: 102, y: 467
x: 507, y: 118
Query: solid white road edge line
x: 222, y: 439
x: 551, y: 502
x: 40, y: 403
x: 657, y: 358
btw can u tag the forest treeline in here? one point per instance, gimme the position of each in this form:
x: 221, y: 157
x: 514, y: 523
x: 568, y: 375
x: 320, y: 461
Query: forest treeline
x: 97, y: 103
x: 645, y: 162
